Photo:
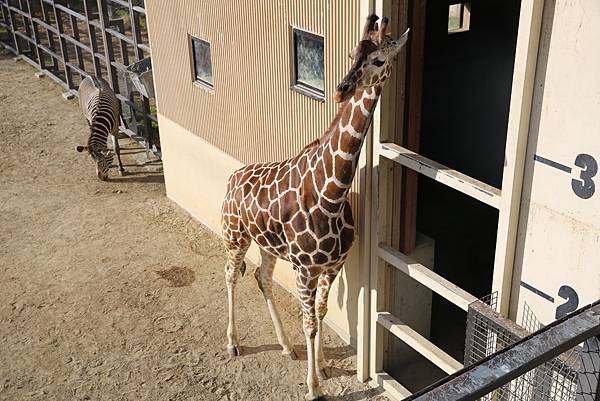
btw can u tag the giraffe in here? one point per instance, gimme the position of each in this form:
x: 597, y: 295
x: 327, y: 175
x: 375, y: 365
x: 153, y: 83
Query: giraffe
x: 298, y: 210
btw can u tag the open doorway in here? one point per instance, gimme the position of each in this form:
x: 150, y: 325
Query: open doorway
x: 469, y: 53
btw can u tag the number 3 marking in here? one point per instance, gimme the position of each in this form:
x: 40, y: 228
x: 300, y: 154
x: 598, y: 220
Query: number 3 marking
x: 585, y: 187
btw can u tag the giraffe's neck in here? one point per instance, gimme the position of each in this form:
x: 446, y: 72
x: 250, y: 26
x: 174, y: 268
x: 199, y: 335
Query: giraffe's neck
x: 338, y: 154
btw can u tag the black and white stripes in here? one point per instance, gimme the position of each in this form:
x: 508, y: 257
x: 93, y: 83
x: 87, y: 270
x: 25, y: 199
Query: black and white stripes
x: 101, y: 109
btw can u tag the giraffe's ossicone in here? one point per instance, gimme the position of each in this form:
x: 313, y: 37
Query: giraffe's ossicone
x: 298, y: 210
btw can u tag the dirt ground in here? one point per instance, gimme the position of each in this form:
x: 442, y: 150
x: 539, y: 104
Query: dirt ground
x: 108, y: 291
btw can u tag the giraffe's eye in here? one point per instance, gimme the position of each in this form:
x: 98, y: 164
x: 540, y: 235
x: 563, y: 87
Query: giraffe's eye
x: 378, y: 62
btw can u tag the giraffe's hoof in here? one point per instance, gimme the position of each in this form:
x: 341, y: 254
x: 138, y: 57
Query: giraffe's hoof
x: 233, y: 350
x: 315, y: 396
x: 291, y: 354
x: 322, y: 374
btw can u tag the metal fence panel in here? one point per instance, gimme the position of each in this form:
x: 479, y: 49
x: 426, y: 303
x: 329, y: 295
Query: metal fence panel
x: 504, y: 362
x: 70, y: 39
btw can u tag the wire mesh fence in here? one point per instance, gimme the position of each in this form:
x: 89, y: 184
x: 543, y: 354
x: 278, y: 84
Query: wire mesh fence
x: 572, y: 376
x: 503, y: 361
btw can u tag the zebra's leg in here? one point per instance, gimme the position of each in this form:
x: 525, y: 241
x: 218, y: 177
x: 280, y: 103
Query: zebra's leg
x: 325, y: 280
x: 117, y: 152
x: 264, y: 277
x: 236, y: 250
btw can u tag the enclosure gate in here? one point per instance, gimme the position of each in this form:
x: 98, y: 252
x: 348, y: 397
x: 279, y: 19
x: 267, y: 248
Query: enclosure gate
x: 60, y: 38
x: 384, y: 156
x: 382, y: 254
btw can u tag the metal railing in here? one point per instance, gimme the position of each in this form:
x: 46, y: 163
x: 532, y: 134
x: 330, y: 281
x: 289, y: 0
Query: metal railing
x: 60, y: 38
x: 549, y: 364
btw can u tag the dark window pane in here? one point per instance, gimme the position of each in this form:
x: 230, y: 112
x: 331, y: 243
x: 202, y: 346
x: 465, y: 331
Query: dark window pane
x: 202, y: 61
x: 310, y: 70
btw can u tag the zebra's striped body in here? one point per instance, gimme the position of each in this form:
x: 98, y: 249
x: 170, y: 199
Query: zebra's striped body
x: 101, y: 109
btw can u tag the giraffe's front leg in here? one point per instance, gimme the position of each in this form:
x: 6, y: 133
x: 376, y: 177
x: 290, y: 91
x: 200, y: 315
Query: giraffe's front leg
x: 307, y: 291
x: 325, y: 281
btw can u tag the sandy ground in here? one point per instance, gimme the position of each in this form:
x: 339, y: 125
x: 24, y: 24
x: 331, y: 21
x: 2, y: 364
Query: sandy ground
x: 108, y: 291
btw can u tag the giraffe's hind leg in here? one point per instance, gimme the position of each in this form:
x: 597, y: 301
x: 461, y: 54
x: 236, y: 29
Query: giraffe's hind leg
x: 236, y: 250
x: 264, y: 277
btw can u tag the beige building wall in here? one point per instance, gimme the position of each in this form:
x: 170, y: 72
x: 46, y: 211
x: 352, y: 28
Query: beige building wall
x: 558, y: 248
x: 252, y: 115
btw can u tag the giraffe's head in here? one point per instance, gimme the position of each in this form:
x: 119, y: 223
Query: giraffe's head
x: 372, y: 59
x: 103, y: 159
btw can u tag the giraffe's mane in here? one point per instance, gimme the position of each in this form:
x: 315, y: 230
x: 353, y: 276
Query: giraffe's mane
x: 330, y: 130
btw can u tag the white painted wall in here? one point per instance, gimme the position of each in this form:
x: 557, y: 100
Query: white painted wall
x: 558, y: 243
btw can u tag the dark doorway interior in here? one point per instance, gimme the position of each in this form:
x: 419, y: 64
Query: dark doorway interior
x: 466, y: 96
x: 467, y: 80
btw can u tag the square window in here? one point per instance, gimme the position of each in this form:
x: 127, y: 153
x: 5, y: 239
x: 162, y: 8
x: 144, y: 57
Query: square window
x: 309, y: 67
x: 459, y: 17
x: 202, y: 62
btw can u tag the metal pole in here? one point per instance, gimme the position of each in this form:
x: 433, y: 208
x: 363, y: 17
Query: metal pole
x: 139, y: 55
x: 75, y: 33
x: 92, y: 36
x: 63, y: 46
x: 13, y: 29
x: 49, y: 34
x: 36, y: 37
x: 108, y: 49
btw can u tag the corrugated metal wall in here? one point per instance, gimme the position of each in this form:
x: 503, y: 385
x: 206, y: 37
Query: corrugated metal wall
x: 252, y: 114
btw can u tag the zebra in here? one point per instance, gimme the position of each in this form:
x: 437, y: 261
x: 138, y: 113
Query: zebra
x: 101, y: 109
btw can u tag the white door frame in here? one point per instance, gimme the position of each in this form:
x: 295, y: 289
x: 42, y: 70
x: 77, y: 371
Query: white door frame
x: 372, y: 320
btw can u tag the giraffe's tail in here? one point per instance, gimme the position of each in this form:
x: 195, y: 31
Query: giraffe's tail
x: 243, y: 269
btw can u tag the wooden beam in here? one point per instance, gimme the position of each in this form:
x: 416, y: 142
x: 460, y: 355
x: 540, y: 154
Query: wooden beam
x: 412, y: 132
x: 391, y: 386
x: 425, y: 276
x: 379, y: 232
x: 419, y: 343
x: 526, y: 54
x: 363, y: 339
x: 451, y: 178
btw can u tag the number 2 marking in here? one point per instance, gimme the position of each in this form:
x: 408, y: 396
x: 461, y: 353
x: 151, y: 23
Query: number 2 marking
x: 585, y: 186
x: 568, y: 293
